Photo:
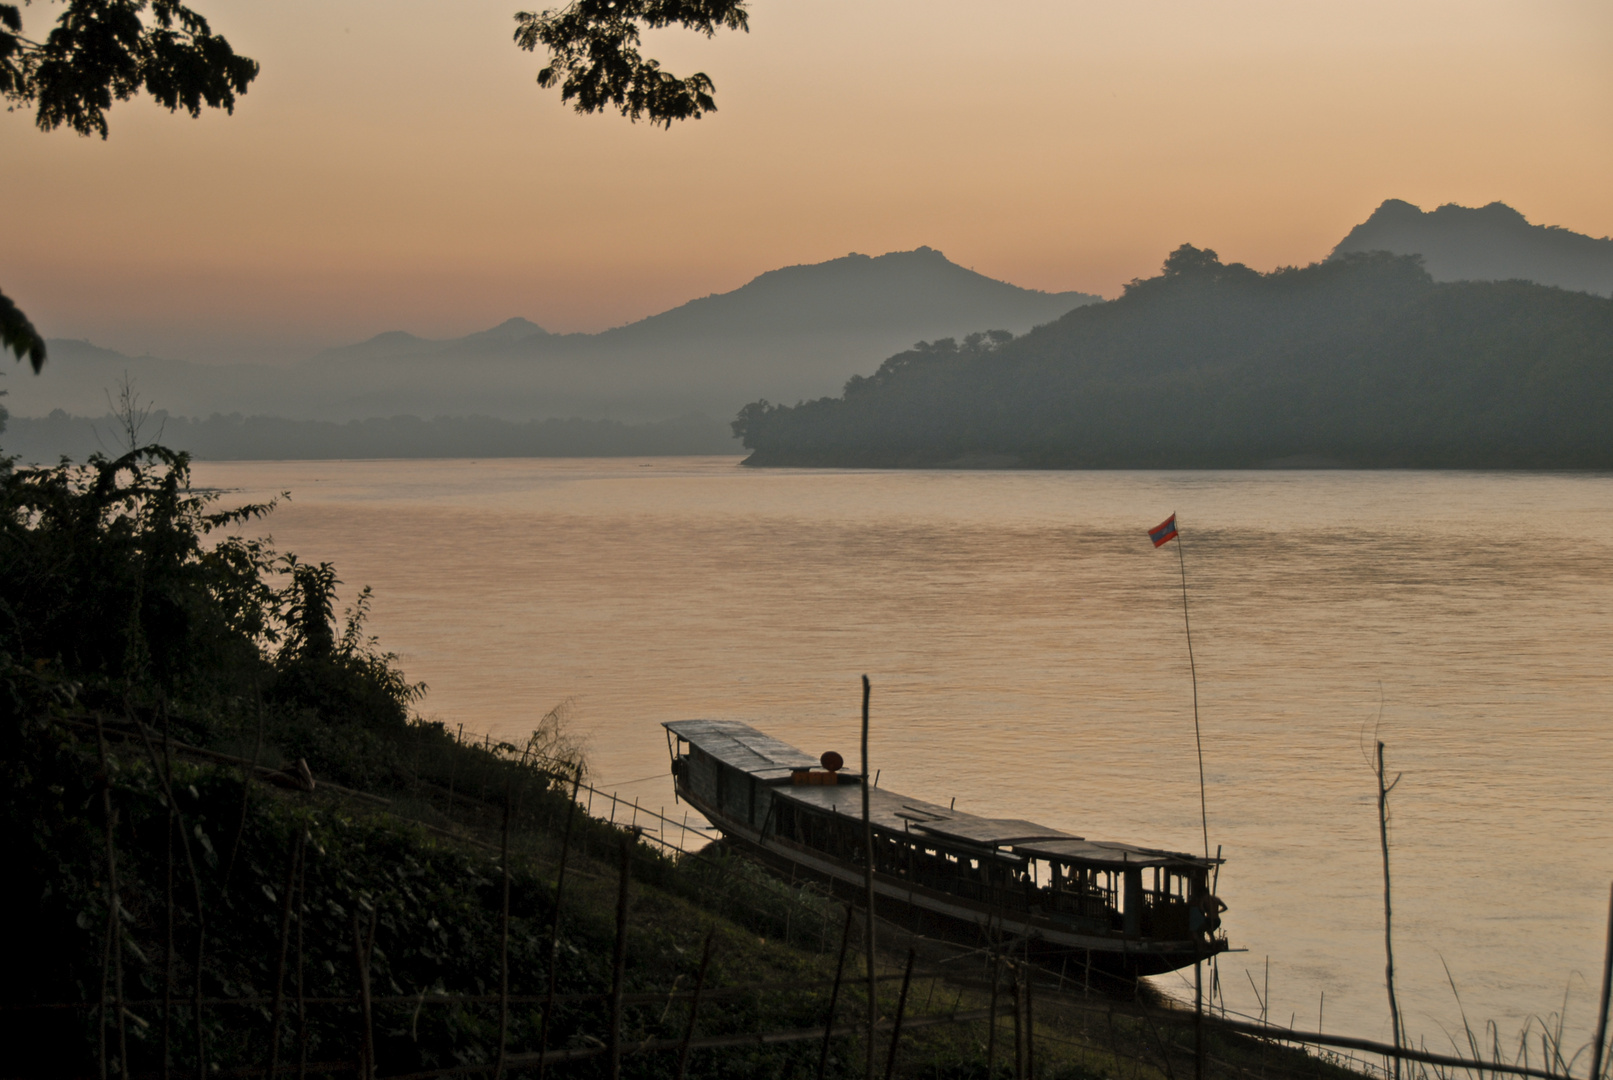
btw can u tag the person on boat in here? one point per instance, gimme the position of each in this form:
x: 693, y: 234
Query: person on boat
x: 1205, y: 913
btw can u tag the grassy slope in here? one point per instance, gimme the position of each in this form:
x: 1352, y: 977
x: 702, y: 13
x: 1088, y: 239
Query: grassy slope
x: 431, y: 878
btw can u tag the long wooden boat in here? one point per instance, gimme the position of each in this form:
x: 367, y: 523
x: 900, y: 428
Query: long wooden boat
x: 1087, y: 905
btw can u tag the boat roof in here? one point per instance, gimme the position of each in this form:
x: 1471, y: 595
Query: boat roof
x: 1107, y: 854
x: 736, y: 743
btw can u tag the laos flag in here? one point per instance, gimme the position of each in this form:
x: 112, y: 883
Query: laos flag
x: 1164, y: 532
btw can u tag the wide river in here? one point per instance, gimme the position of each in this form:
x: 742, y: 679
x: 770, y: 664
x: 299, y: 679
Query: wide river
x: 1026, y: 647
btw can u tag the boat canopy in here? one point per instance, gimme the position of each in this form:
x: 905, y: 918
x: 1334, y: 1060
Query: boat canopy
x: 1107, y: 855
x: 886, y: 809
x: 994, y: 832
x: 740, y: 746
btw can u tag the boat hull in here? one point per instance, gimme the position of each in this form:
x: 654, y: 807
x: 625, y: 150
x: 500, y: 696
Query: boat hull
x: 1077, y: 955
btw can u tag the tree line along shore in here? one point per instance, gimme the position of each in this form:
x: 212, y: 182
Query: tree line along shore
x: 1361, y: 361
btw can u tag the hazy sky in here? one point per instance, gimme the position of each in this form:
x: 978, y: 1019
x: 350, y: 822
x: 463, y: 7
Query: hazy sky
x: 396, y: 166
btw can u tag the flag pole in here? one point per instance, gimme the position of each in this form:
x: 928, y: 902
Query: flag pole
x: 1198, y: 739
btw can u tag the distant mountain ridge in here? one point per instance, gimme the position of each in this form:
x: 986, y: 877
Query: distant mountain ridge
x: 1486, y: 243
x: 795, y: 332
x: 846, y: 295
x: 1362, y: 361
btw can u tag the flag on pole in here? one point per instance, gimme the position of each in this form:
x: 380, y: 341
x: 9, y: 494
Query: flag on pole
x: 1164, y: 532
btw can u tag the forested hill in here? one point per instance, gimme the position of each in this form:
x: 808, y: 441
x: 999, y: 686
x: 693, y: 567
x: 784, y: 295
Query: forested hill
x: 1360, y: 361
x: 1486, y: 243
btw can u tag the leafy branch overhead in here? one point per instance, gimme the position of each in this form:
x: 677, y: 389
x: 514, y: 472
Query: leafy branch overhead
x: 594, y: 55
x: 101, y: 51
x: 19, y: 335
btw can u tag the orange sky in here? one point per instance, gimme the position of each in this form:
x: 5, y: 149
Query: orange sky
x: 395, y: 166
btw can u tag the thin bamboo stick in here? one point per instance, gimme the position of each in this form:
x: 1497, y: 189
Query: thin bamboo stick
x: 361, y: 958
x: 113, y: 955
x: 453, y: 768
x: 1388, y: 939
x: 292, y: 860
x: 1204, y: 813
x: 868, y: 885
x: 694, y: 1006
x: 991, y: 1031
x: 302, y: 996
x: 247, y: 772
x: 1030, y: 1015
x: 619, y: 962
x: 1198, y: 1011
x: 168, y: 949
x: 504, y: 942
x: 554, y: 921
x: 165, y: 769
x: 834, y: 995
x: 1019, y: 1022
x: 896, y: 1026
x: 1607, y: 987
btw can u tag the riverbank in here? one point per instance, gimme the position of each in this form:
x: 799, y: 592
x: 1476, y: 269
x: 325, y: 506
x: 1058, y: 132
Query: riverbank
x: 406, y: 931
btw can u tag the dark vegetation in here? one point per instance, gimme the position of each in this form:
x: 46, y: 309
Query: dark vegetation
x: 1361, y: 361
x: 168, y: 685
x: 594, y: 57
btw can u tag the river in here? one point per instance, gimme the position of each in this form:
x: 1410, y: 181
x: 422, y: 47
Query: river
x: 1027, y: 651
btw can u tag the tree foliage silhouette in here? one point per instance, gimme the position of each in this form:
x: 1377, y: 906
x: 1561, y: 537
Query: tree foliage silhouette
x: 102, y: 51
x: 594, y: 56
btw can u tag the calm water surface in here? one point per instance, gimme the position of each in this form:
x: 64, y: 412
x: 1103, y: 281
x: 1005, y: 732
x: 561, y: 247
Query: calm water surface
x: 1026, y: 648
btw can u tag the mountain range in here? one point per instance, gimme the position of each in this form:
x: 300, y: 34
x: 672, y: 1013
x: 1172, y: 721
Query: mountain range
x: 1362, y: 361
x: 797, y: 332
x: 1486, y: 243
x: 668, y: 383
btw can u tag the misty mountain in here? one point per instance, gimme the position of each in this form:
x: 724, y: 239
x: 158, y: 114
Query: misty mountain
x: 46, y: 439
x: 1361, y: 361
x: 798, y: 332
x: 1487, y: 243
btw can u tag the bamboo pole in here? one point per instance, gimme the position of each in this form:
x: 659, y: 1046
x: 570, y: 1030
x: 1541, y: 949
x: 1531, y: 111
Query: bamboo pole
x: 1607, y: 988
x: 1030, y: 1016
x: 1148, y: 1015
x: 292, y: 860
x: 554, y: 921
x: 896, y: 1026
x: 868, y: 885
x: 504, y: 941
x: 1198, y: 1010
x: 991, y: 1030
x: 1019, y: 1022
x: 453, y: 768
x: 247, y: 772
x: 834, y: 995
x: 694, y: 1006
x: 619, y: 963
x: 302, y: 995
x: 168, y: 950
x: 1198, y: 741
x: 114, y: 917
x: 361, y: 959
x: 1388, y: 939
